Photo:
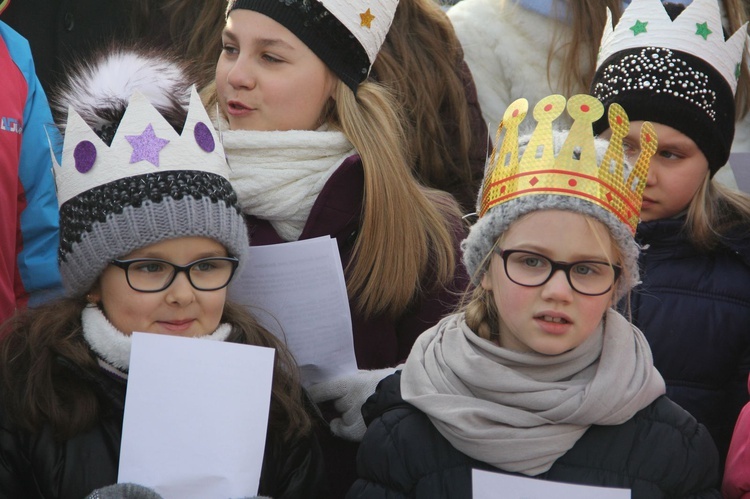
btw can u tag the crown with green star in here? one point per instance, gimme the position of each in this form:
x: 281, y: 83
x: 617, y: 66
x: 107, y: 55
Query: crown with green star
x: 144, y: 143
x: 697, y: 31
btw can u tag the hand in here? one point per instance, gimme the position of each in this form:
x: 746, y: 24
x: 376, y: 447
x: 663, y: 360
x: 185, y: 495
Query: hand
x: 349, y: 394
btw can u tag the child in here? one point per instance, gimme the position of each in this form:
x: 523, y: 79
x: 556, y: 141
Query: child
x: 530, y: 48
x: 316, y: 149
x: 694, y: 302
x: 537, y: 374
x: 151, y: 235
x: 736, y: 482
x: 29, y: 229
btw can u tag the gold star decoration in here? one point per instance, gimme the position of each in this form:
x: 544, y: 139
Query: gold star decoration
x: 639, y: 27
x: 703, y: 30
x: 366, y: 18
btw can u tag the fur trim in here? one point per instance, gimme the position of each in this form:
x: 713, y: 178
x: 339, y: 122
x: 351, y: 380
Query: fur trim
x: 99, y: 88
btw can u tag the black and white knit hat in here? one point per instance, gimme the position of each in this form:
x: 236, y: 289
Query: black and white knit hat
x: 345, y: 34
x: 150, y: 183
x: 681, y: 73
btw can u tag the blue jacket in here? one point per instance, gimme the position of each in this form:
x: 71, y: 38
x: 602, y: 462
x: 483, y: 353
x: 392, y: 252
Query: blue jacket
x: 28, y: 205
x: 660, y: 452
x: 694, y: 309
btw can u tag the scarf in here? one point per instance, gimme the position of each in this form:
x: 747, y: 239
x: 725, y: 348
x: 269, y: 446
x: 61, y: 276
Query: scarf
x: 521, y: 411
x: 112, y: 347
x: 278, y: 175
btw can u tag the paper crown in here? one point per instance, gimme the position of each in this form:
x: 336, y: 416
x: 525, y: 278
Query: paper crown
x: 144, y: 143
x: 696, y: 31
x: 369, y: 22
x: 574, y: 171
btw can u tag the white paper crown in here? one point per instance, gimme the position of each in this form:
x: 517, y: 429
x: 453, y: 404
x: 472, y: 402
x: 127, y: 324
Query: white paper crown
x: 144, y: 143
x: 696, y: 31
x: 369, y: 20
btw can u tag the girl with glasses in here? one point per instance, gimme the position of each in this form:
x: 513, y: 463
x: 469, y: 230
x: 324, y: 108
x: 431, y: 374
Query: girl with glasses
x: 151, y: 235
x: 537, y: 374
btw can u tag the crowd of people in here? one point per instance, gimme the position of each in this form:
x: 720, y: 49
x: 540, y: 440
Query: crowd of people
x: 545, y: 254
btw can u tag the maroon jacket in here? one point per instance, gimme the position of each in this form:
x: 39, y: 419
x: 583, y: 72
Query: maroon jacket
x: 378, y: 342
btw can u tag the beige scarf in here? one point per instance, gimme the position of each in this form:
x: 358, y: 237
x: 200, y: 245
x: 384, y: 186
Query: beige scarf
x: 278, y: 175
x: 520, y: 411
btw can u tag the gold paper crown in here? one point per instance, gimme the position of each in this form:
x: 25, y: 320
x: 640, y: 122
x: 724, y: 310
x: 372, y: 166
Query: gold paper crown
x: 574, y: 171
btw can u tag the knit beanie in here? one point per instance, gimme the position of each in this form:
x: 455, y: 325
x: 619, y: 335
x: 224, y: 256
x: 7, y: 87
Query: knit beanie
x: 128, y: 178
x: 345, y: 34
x: 670, y: 64
x: 568, y: 170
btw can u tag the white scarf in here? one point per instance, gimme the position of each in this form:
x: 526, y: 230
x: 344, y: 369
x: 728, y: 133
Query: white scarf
x: 521, y: 411
x: 113, y: 346
x: 278, y: 175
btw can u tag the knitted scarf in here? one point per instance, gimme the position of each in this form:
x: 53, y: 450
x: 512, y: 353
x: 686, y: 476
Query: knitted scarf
x: 278, y: 175
x: 112, y: 346
x: 521, y: 411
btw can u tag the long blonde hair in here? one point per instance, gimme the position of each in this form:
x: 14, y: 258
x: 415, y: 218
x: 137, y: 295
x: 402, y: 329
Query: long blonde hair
x: 406, y: 230
x: 713, y: 212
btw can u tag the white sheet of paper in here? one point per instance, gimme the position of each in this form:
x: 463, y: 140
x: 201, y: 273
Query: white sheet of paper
x: 196, y: 413
x: 297, y: 291
x: 487, y: 484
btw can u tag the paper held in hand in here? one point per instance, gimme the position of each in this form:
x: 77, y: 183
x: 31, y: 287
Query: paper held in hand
x: 297, y: 291
x: 487, y: 485
x: 196, y: 414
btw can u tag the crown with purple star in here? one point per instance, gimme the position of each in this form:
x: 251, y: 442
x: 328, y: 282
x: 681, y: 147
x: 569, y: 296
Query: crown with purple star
x: 150, y: 185
x: 696, y: 31
x: 144, y: 143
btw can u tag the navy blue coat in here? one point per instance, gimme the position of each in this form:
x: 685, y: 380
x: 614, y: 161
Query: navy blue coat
x: 694, y: 309
x: 661, y: 452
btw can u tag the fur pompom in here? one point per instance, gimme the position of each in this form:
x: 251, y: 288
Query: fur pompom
x: 99, y: 89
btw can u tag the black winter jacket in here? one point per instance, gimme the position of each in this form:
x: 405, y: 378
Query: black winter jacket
x: 694, y: 309
x: 36, y: 466
x: 662, y: 452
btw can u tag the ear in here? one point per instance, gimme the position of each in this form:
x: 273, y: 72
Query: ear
x: 94, y: 296
x: 486, y: 282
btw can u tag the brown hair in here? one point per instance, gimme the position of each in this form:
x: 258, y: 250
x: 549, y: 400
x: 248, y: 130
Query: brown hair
x: 421, y: 61
x: 39, y: 390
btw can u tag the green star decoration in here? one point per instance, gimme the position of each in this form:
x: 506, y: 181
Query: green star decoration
x: 703, y: 30
x: 639, y: 27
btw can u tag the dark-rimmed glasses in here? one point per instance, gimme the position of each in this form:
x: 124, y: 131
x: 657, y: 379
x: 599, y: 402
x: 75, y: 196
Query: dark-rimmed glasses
x: 587, y: 277
x: 151, y: 275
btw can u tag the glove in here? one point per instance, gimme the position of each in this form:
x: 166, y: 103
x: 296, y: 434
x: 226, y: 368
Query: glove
x: 124, y: 491
x: 349, y: 394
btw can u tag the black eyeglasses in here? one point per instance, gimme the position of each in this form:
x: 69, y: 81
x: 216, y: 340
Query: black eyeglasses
x: 588, y: 277
x: 150, y: 275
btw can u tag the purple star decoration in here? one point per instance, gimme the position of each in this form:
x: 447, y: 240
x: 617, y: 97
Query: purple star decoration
x: 146, y: 146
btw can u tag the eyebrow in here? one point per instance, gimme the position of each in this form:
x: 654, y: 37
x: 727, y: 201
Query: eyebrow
x: 260, y: 42
x: 578, y: 257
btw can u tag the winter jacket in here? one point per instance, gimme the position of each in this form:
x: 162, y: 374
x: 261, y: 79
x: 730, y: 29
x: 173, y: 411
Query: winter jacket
x: 378, y: 342
x: 28, y: 204
x: 35, y: 465
x: 694, y: 309
x: 661, y: 452
x: 736, y: 482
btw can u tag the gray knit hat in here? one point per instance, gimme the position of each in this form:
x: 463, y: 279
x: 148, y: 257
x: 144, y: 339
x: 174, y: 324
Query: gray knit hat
x: 536, y: 196
x: 151, y: 183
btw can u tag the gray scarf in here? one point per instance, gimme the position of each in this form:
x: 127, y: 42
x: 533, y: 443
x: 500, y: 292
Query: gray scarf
x: 521, y: 411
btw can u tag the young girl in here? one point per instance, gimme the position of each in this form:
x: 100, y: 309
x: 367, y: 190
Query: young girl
x: 316, y: 149
x: 537, y: 374
x: 529, y: 48
x: 694, y: 302
x: 151, y: 235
